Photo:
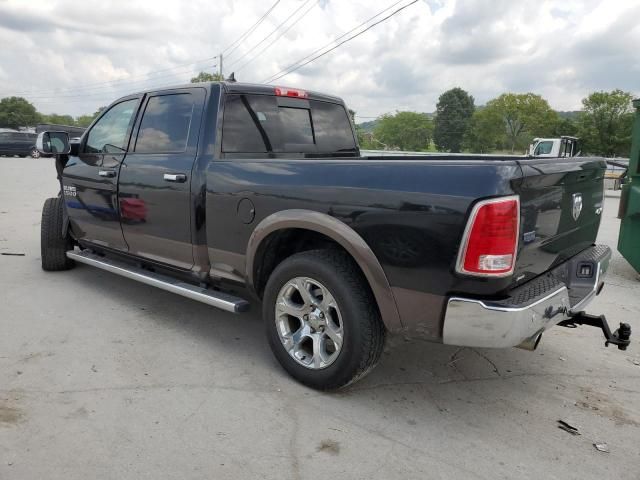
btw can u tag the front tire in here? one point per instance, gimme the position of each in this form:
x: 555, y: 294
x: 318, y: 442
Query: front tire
x: 53, y: 245
x: 322, y: 321
x: 34, y: 153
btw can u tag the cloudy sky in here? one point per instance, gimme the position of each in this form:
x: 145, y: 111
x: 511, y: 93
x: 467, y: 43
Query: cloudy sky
x: 71, y: 57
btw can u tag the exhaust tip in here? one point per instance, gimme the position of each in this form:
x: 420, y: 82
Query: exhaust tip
x: 531, y: 343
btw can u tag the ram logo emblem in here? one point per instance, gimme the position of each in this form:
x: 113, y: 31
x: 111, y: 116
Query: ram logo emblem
x: 577, y: 205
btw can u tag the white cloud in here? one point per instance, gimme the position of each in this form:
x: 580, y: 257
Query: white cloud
x: 560, y: 49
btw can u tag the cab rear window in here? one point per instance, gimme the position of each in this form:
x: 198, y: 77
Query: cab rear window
x: 268, y: 124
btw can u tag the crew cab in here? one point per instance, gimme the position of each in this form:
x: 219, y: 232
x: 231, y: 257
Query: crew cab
x: 225, y: 191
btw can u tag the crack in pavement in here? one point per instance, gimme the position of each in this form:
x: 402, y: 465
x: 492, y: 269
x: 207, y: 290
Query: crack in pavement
x: 483, y: 379
x: 495, y: 368
x: 293, y: 442
x: 125, y: 388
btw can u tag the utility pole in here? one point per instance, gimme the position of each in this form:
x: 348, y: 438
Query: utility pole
x: 221, y: 75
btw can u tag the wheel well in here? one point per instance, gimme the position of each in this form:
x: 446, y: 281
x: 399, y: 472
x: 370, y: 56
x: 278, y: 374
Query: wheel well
x: 281, y: 244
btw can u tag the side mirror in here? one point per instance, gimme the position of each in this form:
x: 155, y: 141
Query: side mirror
x: 56, y: 143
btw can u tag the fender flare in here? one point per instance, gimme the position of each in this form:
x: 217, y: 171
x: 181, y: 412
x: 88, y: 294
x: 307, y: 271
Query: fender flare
x: 342, y: 234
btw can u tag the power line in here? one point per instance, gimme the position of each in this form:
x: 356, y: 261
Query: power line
x: 277, y: 76
x: 129, y: 80
x: 113, y: 88
x: 272, y: 32
x: 229, y: 50
x: 293, y: 67
x: 123, y: 81
x: 101, y: 97
x: 339, y: 44
x: 156, y: 83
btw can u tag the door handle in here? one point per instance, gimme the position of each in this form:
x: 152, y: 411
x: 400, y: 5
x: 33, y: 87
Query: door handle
x: 107, y: 173
x: 175, y: 177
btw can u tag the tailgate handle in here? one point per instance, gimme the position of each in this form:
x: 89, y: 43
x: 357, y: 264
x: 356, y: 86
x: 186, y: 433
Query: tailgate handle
x: 175, y: 177
x: 107, y: 173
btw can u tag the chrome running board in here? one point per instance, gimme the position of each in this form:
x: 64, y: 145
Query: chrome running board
x: 214, y: 298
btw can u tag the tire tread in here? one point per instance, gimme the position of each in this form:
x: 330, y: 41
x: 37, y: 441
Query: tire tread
x: 369, y: 322
x: 53, y: 246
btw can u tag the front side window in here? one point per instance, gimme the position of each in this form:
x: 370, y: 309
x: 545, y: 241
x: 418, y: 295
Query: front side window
x: 109, y: 134
x: 165, y: 124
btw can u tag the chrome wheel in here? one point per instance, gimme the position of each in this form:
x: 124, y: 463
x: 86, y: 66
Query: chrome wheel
x: 35, y: 153
x: 309, y: 323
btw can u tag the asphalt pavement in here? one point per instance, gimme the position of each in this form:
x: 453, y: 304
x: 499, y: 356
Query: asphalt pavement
x: 102, y: 377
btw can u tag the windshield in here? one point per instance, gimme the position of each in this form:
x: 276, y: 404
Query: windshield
x: 544, y: 148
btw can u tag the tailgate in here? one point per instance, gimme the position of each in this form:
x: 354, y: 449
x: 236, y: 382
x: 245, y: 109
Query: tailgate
x: 561, y: 203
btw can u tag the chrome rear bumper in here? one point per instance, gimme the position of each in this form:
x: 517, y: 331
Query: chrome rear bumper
x: 531, y: 309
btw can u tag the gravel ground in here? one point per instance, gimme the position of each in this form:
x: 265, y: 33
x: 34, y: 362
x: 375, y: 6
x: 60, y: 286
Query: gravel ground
x: 102, y: 377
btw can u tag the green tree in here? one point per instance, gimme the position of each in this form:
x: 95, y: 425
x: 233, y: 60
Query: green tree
x: 486, y: 131
x: 57, y: 119
x: 85, y: 120
x: 565, y: 126
x: 453, y: 114
x: 207, y: 77
x: 524, y: 116
x: 366, y: 140
x: 363, y: 137
x: 16, y: 112
x: 404, y: 130
x: 605, y: 123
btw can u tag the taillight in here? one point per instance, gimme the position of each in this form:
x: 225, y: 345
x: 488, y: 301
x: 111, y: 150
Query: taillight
x: 490, y: 241
x: 291, y: 92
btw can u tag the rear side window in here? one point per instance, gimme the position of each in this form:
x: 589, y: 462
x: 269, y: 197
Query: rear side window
x: 260, y: 124
x: 165, y: 124
x: 244, y: 128
x: 23, y: 137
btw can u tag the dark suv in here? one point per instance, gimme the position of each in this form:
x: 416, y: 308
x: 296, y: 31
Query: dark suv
x: 18, y: 143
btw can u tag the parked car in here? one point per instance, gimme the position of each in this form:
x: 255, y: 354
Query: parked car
x: 19, y: 144
x: 222, y: 191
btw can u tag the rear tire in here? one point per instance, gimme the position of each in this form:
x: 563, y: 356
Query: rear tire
x: 339, y: 319
x: 53, y: 245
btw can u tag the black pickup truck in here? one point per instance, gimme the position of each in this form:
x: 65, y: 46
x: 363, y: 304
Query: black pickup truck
x: 222, y: 191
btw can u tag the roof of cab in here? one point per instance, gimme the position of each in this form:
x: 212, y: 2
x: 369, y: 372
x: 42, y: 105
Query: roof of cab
x: 249, y: 88
x: 262, y: 89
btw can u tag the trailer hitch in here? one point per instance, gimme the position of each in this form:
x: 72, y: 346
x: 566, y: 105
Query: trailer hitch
x: 621, y: 337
